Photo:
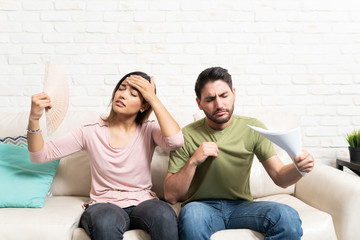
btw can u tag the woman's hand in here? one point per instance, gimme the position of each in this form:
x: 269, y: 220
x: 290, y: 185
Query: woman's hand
x: 168, y: 125
x: 39, y: 102
x: 146, y: 88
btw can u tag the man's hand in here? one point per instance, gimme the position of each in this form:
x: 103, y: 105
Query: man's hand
x: 205, y: 150
x: 304, y: 161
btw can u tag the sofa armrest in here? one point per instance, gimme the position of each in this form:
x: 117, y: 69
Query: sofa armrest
x: 335, y: 192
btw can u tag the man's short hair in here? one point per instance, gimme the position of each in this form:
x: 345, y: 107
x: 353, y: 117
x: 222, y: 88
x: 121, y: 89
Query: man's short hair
x: 212, y: 74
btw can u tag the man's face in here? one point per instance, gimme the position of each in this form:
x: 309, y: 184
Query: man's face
x: 217, y: 102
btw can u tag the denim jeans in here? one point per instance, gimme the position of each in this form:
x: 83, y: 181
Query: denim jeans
x: 200, y: 219
x: 106, y: 221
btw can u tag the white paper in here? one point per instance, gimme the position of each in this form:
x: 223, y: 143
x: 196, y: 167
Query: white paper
x: 289, y: 140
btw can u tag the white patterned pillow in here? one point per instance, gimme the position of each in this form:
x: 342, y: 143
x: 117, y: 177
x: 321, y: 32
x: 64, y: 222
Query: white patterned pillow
x: 20, y: 141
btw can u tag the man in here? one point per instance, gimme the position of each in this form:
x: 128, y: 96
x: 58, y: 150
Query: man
x: 212, y: 170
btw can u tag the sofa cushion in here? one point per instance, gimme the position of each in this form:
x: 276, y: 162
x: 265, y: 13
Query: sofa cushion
x: 20, y: 141
x: 316, y: 224
x: 56, y: 220
x: 23, y: 183
x: 73, y: 177
x: 260, y: 182
x: 80, y: 234
x: 16, y: 124
x: 159, y: 167
x: 237, y: 234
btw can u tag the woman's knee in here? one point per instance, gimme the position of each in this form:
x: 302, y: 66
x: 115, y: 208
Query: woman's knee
x: 155, y: 217
x: 156, y: 211
x: 104, y: 219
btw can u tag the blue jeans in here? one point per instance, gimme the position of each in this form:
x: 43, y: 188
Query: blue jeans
x: 200, y: 219
x: 106, y: 221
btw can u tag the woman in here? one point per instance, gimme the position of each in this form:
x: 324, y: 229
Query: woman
x: 120, y: 149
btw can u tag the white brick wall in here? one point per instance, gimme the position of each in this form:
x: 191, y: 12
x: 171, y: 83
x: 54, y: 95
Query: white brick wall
x: 301, y: 56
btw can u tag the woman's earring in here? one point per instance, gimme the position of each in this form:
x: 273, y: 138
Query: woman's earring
x: 141, y: 110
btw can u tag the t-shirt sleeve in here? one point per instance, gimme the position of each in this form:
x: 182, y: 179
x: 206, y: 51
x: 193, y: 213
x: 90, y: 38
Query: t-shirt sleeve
x: 178, y: 159
x: 70, y: 143
x: 263, y: 147
x: 167, y: 143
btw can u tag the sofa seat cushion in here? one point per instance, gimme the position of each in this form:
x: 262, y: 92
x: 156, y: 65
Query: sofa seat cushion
x: 316, y: 224
x: 245, y: 234
x: 80, y: 234
x: 56, y: 220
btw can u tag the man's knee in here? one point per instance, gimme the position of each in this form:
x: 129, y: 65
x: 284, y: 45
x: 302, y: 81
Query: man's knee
x: 199, y: 221
x: 198, y: 215
x: 194, y: 211
x: 287, y: 220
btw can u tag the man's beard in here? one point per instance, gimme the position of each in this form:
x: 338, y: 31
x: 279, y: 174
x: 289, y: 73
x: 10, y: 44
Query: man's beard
x: 222, y: 119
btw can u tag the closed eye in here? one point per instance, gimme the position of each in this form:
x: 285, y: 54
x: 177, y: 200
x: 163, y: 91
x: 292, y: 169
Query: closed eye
x: 133, y: 91
x: 209, y: 99
x: 122, y: 87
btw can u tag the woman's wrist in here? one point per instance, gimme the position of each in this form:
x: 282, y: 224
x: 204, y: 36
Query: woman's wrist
x: 33, y: 126
x: 33, y: 131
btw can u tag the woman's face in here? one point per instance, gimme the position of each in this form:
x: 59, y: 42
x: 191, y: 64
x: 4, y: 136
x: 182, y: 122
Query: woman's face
x: 127, y: 100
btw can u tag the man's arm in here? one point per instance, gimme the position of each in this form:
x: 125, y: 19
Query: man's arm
x: 286, y: 175
x: 177, y: 184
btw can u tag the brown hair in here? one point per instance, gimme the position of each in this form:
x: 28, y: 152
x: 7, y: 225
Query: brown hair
x: 141, y: 116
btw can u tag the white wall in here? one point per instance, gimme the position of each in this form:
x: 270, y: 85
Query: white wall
x: 301, y: 56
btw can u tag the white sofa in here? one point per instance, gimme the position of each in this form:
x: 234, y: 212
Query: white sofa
x: 327, y: 199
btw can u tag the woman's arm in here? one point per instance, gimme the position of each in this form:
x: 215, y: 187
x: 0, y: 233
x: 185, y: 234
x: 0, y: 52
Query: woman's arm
x: 39, y: 102
x: 39, y: 152
x: 169, y: 127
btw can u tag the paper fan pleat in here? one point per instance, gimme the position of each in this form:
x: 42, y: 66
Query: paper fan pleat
x: 56, y: 86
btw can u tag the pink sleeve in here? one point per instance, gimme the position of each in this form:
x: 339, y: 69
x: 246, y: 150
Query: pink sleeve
x: 59, y: 148
x: 168, y: 143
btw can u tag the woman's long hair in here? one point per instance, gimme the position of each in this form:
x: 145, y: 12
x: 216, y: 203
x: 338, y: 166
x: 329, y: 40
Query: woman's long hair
x: 141, y: 116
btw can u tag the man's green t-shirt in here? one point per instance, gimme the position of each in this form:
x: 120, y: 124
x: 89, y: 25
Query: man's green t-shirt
x: 227, y: 176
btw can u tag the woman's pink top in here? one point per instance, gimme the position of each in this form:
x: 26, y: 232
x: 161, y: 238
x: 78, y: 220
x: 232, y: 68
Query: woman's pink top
x: 120, y: 176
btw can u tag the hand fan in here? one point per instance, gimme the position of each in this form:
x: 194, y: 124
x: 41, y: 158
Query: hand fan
x: 56, y: 86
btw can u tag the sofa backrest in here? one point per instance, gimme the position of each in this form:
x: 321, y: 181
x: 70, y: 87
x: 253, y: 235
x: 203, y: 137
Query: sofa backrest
x: 73, y: 174
x: 260, y: 182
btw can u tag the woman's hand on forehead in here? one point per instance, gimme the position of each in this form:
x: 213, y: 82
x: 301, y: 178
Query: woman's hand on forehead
x: 146, y: 88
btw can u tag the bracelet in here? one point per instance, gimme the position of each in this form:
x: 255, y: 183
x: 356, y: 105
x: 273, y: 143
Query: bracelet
x: 33, y: 131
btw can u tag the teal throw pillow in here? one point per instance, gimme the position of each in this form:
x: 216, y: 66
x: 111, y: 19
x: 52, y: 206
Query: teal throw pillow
x: 23, y: 183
